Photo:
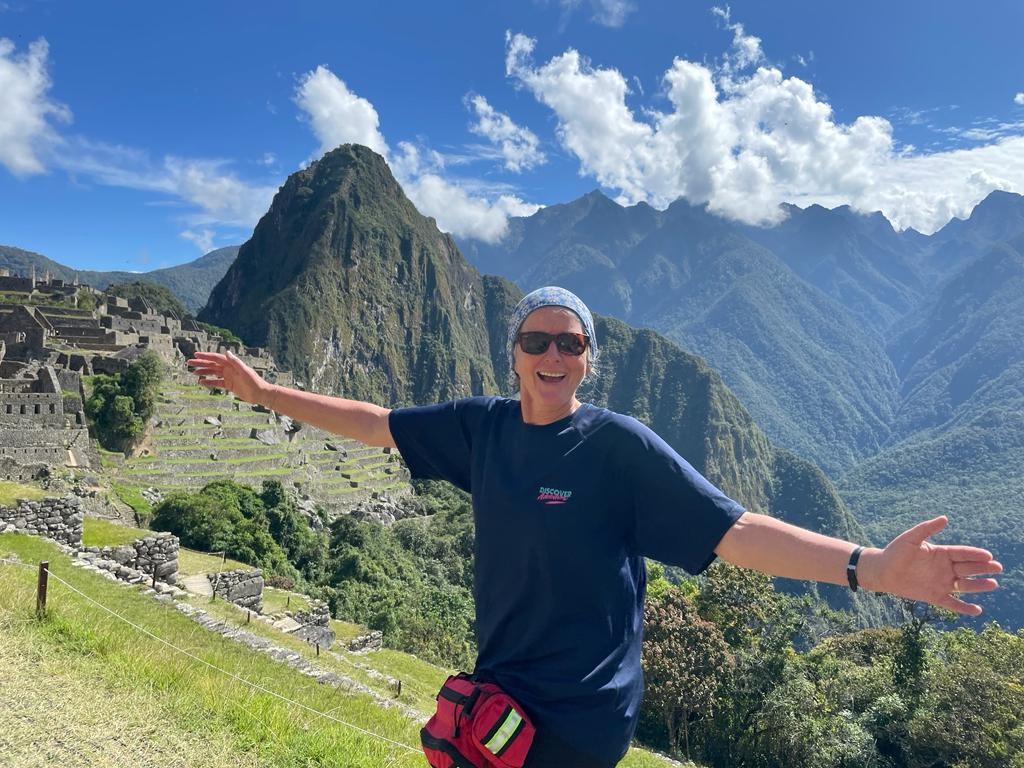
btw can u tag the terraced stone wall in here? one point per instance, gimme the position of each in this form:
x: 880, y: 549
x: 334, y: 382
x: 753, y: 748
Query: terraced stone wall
x: 243, y: 588
x: 55, y: 518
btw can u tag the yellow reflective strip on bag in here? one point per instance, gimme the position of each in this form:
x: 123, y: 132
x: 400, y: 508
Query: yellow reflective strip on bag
x: 500, y: 739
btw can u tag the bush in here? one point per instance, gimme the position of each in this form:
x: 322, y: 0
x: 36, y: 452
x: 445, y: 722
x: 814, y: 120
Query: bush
x: 120, y: 405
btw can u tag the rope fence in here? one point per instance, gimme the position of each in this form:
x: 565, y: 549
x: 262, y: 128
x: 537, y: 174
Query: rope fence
x: 204, y: 662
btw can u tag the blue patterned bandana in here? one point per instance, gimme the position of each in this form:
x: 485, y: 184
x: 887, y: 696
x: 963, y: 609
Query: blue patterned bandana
x: 550, y: 296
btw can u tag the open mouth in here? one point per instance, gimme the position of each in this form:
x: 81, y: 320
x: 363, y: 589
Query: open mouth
x: 550, y: 377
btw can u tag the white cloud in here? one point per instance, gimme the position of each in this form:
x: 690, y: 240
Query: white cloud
x: 219, y: 197
x: 336, y: 114
x: 203, y: 239
x: 1019, y: 99
x: 268, y: 159
x: 519, y: 146
x: 743, y: 142
x: 926, y: 191
x: 26, y: 134
x: 454, y: 206
x: 746, y: 49
x: 29, y: 144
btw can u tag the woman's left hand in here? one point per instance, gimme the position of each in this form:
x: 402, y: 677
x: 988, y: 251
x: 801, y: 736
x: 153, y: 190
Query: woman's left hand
x: 912, y: 567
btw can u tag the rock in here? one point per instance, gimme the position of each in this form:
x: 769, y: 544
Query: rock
x: 364, y: 643
x: 123, y: 554
x: 266, y: 436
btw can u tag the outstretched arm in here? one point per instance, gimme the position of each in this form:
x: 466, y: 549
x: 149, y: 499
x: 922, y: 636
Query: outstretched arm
x: 365, y: 422
x: 909, y: 566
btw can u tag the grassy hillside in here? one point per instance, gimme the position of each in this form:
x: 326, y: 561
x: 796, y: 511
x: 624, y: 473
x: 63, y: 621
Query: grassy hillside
x: 162, y: 708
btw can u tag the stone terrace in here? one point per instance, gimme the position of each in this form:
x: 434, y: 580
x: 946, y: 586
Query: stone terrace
x: 201, y: 436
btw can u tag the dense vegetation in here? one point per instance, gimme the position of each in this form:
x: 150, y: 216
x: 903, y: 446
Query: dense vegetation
x: 119, y: 405
x: 727, y: 687
x: 263, y: 529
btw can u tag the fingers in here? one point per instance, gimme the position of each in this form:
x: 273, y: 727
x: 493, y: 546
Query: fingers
x: 974, y: 585
x: 957, y: 605
x: 968, y: 554
x: 922, y: 531
x: 977, y: 568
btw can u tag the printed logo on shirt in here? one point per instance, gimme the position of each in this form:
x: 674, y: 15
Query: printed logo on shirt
x: 553, y: 496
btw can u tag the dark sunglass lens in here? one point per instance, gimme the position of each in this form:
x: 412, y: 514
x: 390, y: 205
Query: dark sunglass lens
x: 571, y: 344
x: 534, y: 342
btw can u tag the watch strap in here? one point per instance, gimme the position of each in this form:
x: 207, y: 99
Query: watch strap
x: 851, y: 568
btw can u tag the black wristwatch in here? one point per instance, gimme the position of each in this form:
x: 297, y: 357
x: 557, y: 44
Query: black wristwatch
x: 851, y: 568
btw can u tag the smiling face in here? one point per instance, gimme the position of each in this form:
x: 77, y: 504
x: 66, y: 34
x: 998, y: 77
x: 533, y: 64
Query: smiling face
x: 548, y: 382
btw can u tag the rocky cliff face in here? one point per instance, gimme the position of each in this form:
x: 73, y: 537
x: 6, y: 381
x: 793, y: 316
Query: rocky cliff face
x: 350, y: 287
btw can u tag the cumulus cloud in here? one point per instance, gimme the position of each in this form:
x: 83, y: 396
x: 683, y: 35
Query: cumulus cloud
x: 337, y: 115
x: 519, y: 146
x: 1019, y: 99
x: 26, y: 109
x: 453, y: 205
x: 741, y: 138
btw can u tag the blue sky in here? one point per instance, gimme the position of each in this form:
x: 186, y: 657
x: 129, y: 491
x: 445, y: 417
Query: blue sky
x: 141, y: 135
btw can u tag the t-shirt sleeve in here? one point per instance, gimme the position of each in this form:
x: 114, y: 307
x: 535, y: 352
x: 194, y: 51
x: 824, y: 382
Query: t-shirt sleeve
x: 679, y: 516
x: 436, y: 440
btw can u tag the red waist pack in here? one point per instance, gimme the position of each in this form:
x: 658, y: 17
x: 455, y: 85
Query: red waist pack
x: 476, y: 725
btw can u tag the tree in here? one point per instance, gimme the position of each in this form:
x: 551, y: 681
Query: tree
x: 120, y: 405
x: 224, y: 517
x: 685, y: 659
x: 759, y: 624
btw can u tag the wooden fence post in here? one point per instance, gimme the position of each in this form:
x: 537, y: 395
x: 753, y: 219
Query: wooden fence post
x: 44, y: 577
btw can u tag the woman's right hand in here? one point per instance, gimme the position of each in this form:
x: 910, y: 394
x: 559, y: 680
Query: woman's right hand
x: 226, y: 371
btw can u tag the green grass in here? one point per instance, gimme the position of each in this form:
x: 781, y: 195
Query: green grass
x: 172, y: 710
x: 132, y: 496
x: 257, y: 456
x: 191, y: 562
x: 104, y: 533
x: 11, y: 492
x: 278, y: 600
x: 197, y: 704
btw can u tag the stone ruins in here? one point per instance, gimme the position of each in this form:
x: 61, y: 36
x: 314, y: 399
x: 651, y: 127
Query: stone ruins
x: 50, y: 341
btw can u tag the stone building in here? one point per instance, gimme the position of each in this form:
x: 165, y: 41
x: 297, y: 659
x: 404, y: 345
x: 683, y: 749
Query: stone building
x: 41, y: 424
x: 23, y: 331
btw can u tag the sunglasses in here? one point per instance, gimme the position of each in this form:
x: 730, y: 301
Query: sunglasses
x: 537, y: 342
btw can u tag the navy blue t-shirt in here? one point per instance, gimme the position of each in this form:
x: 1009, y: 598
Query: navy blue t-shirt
x: 565, y: 514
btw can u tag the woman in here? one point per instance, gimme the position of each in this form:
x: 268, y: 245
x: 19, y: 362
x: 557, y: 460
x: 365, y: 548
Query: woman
x: 568, y: 499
